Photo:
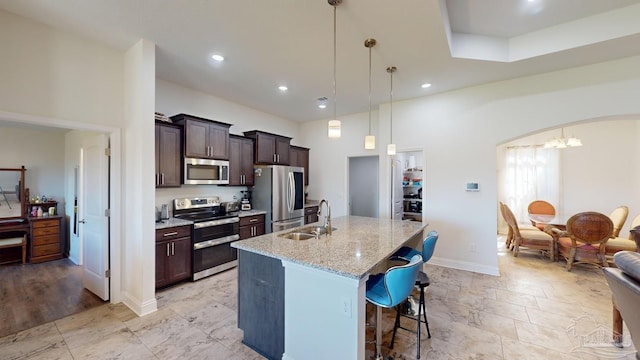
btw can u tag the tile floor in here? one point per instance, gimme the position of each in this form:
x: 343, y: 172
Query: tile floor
x: 534, y: 310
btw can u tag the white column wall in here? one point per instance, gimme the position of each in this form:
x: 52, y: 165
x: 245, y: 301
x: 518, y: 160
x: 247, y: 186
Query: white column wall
x: 459, y: 132
x: 139, y: 139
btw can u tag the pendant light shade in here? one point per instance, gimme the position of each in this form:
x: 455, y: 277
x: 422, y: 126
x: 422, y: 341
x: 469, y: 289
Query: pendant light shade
x: 370, y: 140
x: 562, y: 142
x: 391, y: 148
x: 334, y: 126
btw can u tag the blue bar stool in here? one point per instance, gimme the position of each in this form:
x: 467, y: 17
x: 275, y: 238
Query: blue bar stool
x: 406, y: 253
x: 390, y: 289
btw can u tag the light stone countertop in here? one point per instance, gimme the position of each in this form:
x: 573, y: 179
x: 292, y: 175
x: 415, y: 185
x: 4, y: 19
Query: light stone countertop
x: 251, y: 212
x: 353, y: 250
x: 172, y: 222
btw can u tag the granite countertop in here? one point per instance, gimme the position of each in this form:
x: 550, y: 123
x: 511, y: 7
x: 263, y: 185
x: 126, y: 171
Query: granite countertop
x: 353, y: 250
x: 311, y: 203
x: 251, y: 212
x: 172, y: 222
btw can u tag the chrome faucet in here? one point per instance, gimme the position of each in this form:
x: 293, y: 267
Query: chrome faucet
x: 327, y: 219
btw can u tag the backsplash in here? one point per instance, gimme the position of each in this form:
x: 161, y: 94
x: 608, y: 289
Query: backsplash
x: 226, y: 193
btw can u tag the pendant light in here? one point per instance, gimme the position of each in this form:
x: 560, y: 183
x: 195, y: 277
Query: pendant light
x: 334, y: 126
x: 391, y: 148
x: 369, y: 140
x: 562, y: 142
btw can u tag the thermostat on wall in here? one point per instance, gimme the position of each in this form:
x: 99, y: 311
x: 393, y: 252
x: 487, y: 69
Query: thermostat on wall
x: 473, y: 186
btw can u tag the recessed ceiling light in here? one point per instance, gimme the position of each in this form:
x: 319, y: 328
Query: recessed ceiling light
x: 322, y: 102
x: 425, y: 85
x: 283, y: 88
x: 217, y: 57
x: 322, y: 106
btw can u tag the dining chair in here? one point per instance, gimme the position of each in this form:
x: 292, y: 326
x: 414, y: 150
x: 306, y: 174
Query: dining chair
x: 509, y: 240
x: 585, y: 238
x: 390, y: 289
x: 540, y: 207
x: 531, y: 239
x: 618, y: 243
x: 618, y: 216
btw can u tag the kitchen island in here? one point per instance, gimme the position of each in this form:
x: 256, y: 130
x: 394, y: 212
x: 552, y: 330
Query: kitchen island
x: 305, y: 299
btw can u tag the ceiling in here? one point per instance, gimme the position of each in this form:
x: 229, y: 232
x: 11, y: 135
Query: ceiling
x: 449, y: 43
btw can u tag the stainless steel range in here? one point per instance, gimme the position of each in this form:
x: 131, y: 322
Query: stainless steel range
x: 213, y: 232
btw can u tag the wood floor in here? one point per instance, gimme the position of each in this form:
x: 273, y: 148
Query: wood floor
x: 34, y: 294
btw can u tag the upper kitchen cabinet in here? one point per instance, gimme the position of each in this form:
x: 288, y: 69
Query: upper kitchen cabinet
x: 270, y: 149
x: 168, y: 155
x: 299, y: 156
x: 240, y: 161
x: 204, y: 138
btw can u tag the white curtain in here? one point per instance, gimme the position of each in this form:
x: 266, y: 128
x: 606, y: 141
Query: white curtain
x: 531, y: 173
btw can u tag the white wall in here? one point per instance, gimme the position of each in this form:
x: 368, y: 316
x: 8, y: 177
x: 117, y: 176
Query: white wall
x: 459, y: 132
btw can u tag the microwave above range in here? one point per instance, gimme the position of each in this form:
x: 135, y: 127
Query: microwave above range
x: 206, y: 172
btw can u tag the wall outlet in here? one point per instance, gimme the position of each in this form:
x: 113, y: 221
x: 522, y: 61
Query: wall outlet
x: 345, y: 306
x: 472, y: 247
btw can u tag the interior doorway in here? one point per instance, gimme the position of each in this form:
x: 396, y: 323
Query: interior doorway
x: 363, y: 186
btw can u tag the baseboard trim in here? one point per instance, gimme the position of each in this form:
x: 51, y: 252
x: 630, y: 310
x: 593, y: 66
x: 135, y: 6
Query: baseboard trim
x: 138, y: 307
x: 465, y: 265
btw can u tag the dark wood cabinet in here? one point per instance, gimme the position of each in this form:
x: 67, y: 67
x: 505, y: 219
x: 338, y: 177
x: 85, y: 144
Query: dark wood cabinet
x: 204, y: 138
x: 168, y: 155
x: 240, y: 161
x: 270, y: 149
x: 310, y: 214
x: 173, y: 255
x: 299, y: 156
x: 251, y: 226
x: 261, y: 303
x: 46, y: 238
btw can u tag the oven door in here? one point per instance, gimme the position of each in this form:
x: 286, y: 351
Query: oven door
x: 213, y: 256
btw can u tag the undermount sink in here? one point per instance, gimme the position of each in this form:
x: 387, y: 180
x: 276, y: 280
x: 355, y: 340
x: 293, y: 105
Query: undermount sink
x: 306, y: 233
x: 298, y: 236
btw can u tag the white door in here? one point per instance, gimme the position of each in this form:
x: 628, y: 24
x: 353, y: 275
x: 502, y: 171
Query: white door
x: 94, y: 224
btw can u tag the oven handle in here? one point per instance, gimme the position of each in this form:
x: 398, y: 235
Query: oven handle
x: 216, y: 222
x: 210, y: 243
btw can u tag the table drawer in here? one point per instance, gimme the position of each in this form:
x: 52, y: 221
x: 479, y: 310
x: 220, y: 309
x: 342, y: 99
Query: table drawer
x: 251, y: 220
x: 46, y: 239
x: 43, y: 250
x: 45, y: 231
x: 45, y: 223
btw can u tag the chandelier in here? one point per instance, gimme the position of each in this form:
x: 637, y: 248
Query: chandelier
x: 562, y: 142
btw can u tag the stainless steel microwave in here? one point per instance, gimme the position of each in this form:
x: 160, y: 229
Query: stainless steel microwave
x: 206, y: 171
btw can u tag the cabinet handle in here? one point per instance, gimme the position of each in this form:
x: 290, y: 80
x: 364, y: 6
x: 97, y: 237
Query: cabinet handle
x: 278, y: 157
x: 253, y: 220
x: 173, y: 248
x: 243, y: 180
x: 170, y: 234
x: 274, y: 157
x: 157, y: 179
x: 162, y: 178
x: 167, y: 249
x: 253, y: 231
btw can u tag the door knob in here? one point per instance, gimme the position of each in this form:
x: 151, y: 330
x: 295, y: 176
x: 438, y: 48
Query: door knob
x: 82, y: 221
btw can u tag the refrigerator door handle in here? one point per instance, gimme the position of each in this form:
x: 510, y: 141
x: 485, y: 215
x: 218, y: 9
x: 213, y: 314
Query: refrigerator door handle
x: 292, y: 192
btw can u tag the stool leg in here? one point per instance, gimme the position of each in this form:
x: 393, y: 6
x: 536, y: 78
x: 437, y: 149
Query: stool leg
x: 418, y: 321
x: 424, y: 310
x: 396, y: 325
x: 378, y: 333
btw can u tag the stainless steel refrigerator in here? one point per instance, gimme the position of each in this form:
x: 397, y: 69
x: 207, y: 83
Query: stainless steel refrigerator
x: 279, y: 190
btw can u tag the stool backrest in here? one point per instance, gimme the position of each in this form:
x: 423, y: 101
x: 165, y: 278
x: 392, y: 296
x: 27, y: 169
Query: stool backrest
x: 399, y: 280
x: 429, y: 245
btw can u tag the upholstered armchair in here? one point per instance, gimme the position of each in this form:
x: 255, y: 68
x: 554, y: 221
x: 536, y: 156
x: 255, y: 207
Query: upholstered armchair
x: 621, y: 244
x: 530, y: 239
x: 584, y: 239
x: 521, y: 227
x: 541, y: 207
x: 618, y: 216
x: 625, y: 286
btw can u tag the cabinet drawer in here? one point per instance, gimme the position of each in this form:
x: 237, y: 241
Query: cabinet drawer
x: 251, y: 220
x: 45, y: 223
x: 172, y: 233
x: 45, y: 231
x: 43, y: 250
x: 46, y: 239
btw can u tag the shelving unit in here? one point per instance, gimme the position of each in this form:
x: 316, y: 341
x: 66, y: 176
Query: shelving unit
x: 412, y: 182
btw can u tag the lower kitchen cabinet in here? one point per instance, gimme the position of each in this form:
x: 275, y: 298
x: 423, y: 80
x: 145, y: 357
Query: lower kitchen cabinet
x: 310, y: 214
x: 46, y: 239
x: 261, y: 303
x: 173, y: 255
x: 251, y: 226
